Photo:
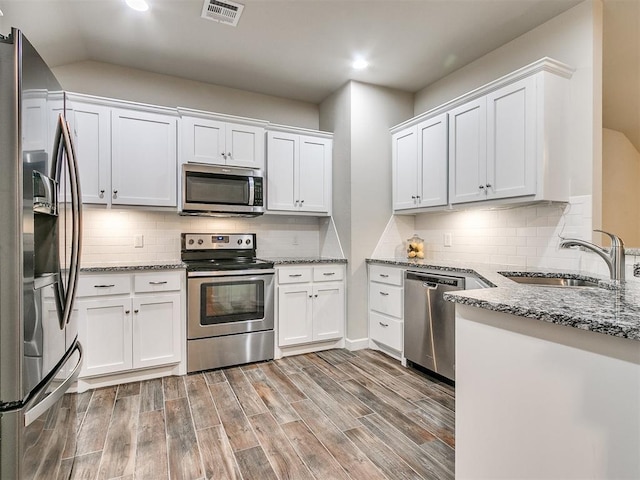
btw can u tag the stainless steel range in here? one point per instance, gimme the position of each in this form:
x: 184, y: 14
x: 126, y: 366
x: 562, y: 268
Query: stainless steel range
x: 229, y: 301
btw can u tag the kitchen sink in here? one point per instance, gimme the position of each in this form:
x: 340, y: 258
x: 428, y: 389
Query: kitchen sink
x: 552, y: 281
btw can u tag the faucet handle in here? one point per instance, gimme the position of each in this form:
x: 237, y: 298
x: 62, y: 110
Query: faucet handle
x: 616, y: 241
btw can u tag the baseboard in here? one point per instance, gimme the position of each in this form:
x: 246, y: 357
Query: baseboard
x: 357, y: 344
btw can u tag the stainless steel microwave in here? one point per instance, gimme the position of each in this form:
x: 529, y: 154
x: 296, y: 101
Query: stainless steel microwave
x: 221, y: 191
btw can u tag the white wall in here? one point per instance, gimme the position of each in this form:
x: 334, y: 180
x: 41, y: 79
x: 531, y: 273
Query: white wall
x: 360, y: 116
x: 107, y: 80
x: 572, y: 37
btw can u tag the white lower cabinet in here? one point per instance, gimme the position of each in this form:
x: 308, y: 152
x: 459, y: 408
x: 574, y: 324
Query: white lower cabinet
x: 386, y: 312
x: 311, y: 304
x: 133, y: 329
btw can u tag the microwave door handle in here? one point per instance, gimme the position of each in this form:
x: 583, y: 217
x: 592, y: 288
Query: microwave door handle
x: 63, y: 141
x: 251, y: 191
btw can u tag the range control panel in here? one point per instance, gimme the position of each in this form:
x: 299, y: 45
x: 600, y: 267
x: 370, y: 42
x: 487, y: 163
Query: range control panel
x: 216, y: 241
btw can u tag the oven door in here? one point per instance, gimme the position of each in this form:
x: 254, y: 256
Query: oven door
x: 225, y: 303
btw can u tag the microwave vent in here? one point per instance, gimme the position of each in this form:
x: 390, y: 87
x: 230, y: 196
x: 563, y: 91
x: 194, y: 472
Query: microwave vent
x: 223, y: 11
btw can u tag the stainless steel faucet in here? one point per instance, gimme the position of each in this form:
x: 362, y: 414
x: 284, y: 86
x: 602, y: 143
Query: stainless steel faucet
x: 614, y: 257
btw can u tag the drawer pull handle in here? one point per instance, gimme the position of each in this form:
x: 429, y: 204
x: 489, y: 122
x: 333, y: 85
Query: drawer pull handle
x: 158, y: 283
x: 295, y: 275
x: 384, y: 293
x: 384, y: 275
x: 104, y: 286
x: 329, y: 274
x: 383, y: 324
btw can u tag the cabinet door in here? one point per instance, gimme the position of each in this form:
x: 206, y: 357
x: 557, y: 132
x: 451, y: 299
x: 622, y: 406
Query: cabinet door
x: 295, y: 320
x: 432, y: 162
x: 156, y: 330
x: 104, y: 329
x: 245, y: 145
x: 511, y: 149
x: 468, y: 152
x: 93, y: 149
x: 328, y: 311
x: 34, y: 122
x: 203, y: 141
x: 315, y: 174
x: 282, y: 161
x: 405, y: 168
x: 144, y: 161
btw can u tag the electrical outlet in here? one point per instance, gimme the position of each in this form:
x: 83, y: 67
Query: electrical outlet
x: 448, y: 239
x: 138, y: 241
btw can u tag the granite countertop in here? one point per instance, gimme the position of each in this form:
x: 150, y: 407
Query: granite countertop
x: 302, y: 260
x: 129, y: 266
x: 604, y: 310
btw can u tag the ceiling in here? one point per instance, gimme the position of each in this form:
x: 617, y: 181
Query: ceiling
x: 299, y: 49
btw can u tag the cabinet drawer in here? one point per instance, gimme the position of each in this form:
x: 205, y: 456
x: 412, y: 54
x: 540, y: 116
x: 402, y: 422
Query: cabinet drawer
x: 295, y: 275
x: 100, y: 285
x: 328, y: 273
x: 386, y: 299
x: 382, y: 274
x: 385, y: 330
x: 157, y: 281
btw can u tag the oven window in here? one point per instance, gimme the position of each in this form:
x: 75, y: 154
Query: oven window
x: 234, y: 301
x: 214, y: 189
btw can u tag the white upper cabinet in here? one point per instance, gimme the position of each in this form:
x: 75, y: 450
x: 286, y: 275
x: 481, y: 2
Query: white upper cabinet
x: 508, y: 139
x: 213, y: 139
x: 468, y: 151
x: 419, y: 157
x: 144, y: 158
x: 299, y: 172
x: 126, y: 156
x: 493, y: 145
x: 93, y: 151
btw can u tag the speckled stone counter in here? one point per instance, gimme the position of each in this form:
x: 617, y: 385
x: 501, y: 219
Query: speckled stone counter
x: 130, y: 266
x: 602, y: 310
x: 302, y: 260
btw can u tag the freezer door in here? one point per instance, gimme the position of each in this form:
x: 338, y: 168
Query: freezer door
x: 39, y: 441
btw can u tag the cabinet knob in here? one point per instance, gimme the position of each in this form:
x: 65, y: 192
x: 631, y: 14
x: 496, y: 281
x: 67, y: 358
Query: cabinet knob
x: 101, y: 195
x: 413, y: 197
x: 127, y: 312
x: 488, y: 185
x: 136, y: 311
x: 310, y: 296
x: 418, y: 197
x: 481, y: 187
x: 301, y: 202
x: 115, y: 194
x: 316, y: 295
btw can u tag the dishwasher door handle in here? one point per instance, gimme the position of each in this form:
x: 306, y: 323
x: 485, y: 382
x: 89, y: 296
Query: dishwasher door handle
x: 430, y: 286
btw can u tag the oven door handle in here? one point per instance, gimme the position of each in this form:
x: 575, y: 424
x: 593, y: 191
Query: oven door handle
x: 230, y: 273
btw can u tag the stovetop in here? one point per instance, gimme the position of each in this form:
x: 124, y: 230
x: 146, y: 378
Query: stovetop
x: 203, y: 252
x: 227, y: 264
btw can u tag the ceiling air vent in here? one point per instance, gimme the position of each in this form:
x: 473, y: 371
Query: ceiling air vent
x: 223, y: 11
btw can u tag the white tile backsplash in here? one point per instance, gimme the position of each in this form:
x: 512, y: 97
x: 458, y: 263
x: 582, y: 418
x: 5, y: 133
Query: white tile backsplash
x: 108, y: 234
x: 526, y: 236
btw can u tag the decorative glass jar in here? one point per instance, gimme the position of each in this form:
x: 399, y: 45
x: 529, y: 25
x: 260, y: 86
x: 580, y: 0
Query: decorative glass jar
x: 415, y: 247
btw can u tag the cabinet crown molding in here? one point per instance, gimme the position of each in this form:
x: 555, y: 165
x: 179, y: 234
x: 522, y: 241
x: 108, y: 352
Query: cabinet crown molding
x: 545, y: 64
x: 116, y: 103
x: 223, y: 117
x: 273, y: 127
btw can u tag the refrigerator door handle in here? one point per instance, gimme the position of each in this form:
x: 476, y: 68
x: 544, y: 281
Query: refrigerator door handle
x: 63, y: 140
x: 45, y: 404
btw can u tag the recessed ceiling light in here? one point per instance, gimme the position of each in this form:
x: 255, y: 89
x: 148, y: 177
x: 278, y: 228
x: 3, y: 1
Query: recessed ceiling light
x: 359, y: 64
x: 139, y: 5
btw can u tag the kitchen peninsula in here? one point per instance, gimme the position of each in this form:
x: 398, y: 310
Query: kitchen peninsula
x: 547, y: 378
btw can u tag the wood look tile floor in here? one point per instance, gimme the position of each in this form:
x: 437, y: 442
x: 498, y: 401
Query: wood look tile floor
x: 328, y: 415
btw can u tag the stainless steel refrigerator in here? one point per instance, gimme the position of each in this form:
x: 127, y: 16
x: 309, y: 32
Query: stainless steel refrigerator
x: 40, y: 240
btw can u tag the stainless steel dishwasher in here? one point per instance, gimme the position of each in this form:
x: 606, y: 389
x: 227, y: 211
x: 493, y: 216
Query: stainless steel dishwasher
x: 429, y: 321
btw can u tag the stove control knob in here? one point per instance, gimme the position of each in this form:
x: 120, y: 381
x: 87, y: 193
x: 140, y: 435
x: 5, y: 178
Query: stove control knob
x: 248, y: 241
x: 200, y: 241
x: 191, y: 242
x: 239, y: 241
